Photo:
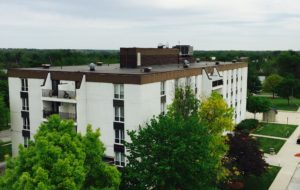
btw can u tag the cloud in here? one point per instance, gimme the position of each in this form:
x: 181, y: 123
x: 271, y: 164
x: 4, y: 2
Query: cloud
x: 105, y: 24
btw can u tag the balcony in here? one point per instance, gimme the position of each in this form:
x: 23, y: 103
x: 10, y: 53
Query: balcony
x: 217, y: 83
x: 63, y: 115
x: 64, y: 94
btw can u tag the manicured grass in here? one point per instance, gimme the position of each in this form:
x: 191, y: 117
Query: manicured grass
x: 266, y: 143
x: 5, y: 148
x: 275, y: 129
x: 262, y: 182
x: 282, y: 104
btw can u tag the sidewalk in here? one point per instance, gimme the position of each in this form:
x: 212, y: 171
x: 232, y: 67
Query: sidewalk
x: 267, y: 136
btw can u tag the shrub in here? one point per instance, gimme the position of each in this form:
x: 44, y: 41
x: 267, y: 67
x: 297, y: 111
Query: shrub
x: 247, y: 125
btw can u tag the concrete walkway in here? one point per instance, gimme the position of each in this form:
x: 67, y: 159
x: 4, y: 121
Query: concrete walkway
x: 267, y: 136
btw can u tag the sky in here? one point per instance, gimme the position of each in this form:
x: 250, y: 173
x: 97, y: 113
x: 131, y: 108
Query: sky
x: 111, y: 24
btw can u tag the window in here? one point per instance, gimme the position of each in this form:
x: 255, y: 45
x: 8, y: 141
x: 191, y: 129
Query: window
x: 196, y: 84
x: 119, y: 91
x: 25, y: 105
x: 176, y: 83
x: 163, y: 108
x: 119, y: 159
x: 162, y: 88
x: 26, y: 123
x: 119, y: 113
x: 119, y: 136
x: 24, y: 84
x: 188, y: 81
x: 26, y: 141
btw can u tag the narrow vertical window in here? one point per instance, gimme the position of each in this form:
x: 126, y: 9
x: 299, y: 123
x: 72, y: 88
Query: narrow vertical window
x: 119, y: 91
x: 119, y: 159
x: 119, y: 136
x: 162, y: 88
x: 24, y: 84
x: 176, y: 83
x: 26, y: 124
x: 25, y: 105
x: 119, y: 113
x: 26, y: 142
x: 196, y: 84
x: 163, y: 108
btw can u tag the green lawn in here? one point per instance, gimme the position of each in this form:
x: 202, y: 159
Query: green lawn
x: 260, y: 183
x: 282, y: 104
x: 5, y: 148
x: 263, y: 182
x: 266, y: 143
x: 275, y: 129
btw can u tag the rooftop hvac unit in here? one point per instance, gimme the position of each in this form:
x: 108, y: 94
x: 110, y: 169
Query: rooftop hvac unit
x: 186, y: 64
x: 46, y: 66
x: 92, y: 67
x: 147, y: 69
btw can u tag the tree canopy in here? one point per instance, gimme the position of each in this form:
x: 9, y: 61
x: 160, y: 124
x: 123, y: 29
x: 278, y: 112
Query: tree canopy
x: 178, y: 150
x: 287, y: 88
x: 244, y: 153
x: 257, y: 104
x: 3, y: 114
x: 271, y: 83
x: 60, y: 158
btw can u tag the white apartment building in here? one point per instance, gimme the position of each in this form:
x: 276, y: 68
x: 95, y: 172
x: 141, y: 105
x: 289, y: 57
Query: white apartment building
x: 117, y: 97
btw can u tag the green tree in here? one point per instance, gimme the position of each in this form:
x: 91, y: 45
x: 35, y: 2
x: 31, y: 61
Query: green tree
x: 286, y: 87
x: 178, y: 150
x: 257, y: 104
x: 288, y: 63
x: 271, y: 83
x: 253, y: 83
x: 60, y: 158
x: 3, y: 115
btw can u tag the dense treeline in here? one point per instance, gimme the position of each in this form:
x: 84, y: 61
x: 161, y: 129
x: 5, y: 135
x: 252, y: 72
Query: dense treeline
x: 34, y: 57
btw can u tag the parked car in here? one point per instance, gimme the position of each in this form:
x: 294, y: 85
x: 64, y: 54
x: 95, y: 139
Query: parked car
x: 298, y: 140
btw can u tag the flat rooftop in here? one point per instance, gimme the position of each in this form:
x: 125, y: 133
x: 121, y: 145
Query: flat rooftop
x: 115, y: 68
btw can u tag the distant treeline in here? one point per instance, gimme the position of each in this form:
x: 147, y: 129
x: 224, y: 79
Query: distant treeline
x: 35, y: 57
x: 263, y: 62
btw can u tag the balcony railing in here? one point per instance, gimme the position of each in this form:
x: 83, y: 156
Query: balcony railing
x: 59, y: 94
x: 63, y: 115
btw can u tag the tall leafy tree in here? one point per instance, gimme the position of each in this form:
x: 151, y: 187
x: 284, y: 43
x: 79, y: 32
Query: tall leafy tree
x: 244, y: 153
x: 253, y: 83
x: 288, y: 63
x: 177, y: 150
x: 60, y: 158
x: 257, y: 104
x: 286, y: 88
x: 3, y: 114
x: 271, y: 83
